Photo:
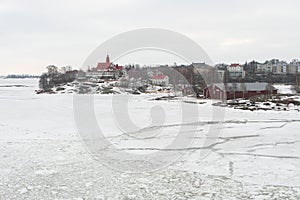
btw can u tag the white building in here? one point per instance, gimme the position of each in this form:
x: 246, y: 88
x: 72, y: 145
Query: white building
x: 294, y: 67
x: 265, y: 68
x: 236, y: 71
x: 280, y: 67
x: 273, y: 66
x: 162, y: 80
x: 101, y: 74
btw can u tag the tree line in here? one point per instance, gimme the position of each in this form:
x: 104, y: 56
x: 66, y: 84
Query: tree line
x: 55, y: 76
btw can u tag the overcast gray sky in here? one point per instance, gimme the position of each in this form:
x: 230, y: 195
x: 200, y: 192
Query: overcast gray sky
x: 37, y: 33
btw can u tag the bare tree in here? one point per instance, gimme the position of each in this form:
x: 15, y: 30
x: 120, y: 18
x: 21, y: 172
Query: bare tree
x: 243, y: 89
x: 269, y: 89
x: 52, y: 69
x: 234, y: 89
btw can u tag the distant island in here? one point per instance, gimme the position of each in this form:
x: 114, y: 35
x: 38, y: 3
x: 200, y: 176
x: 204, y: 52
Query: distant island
x: 20, y: 76
x: 136, y: 79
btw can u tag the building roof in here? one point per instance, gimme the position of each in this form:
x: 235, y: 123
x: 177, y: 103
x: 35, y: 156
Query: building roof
x: 221, y: 86
x: 103, y: 65
x: 235, y: 65
x: 249, y: 86
x: 159, y: 77
x: 119, y: 67
x: 244, y: 86
x: 201, y: 65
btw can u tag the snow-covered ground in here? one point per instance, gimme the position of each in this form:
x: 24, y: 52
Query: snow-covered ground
x: 284, y: 89
x: 253, y: 155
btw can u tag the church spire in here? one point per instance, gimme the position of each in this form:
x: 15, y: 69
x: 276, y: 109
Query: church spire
x: 107, y: 59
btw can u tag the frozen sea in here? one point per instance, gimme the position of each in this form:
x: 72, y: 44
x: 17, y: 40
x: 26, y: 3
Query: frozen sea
x: 231, y: 154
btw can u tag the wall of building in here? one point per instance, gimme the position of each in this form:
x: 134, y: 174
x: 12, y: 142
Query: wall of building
x: 212, y: 92
x: 248, y: 94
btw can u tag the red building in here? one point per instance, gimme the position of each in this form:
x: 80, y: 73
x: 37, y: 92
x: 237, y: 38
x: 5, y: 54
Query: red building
x: 108, y: 66
x: 238, y: 90
x: 105, y: 70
